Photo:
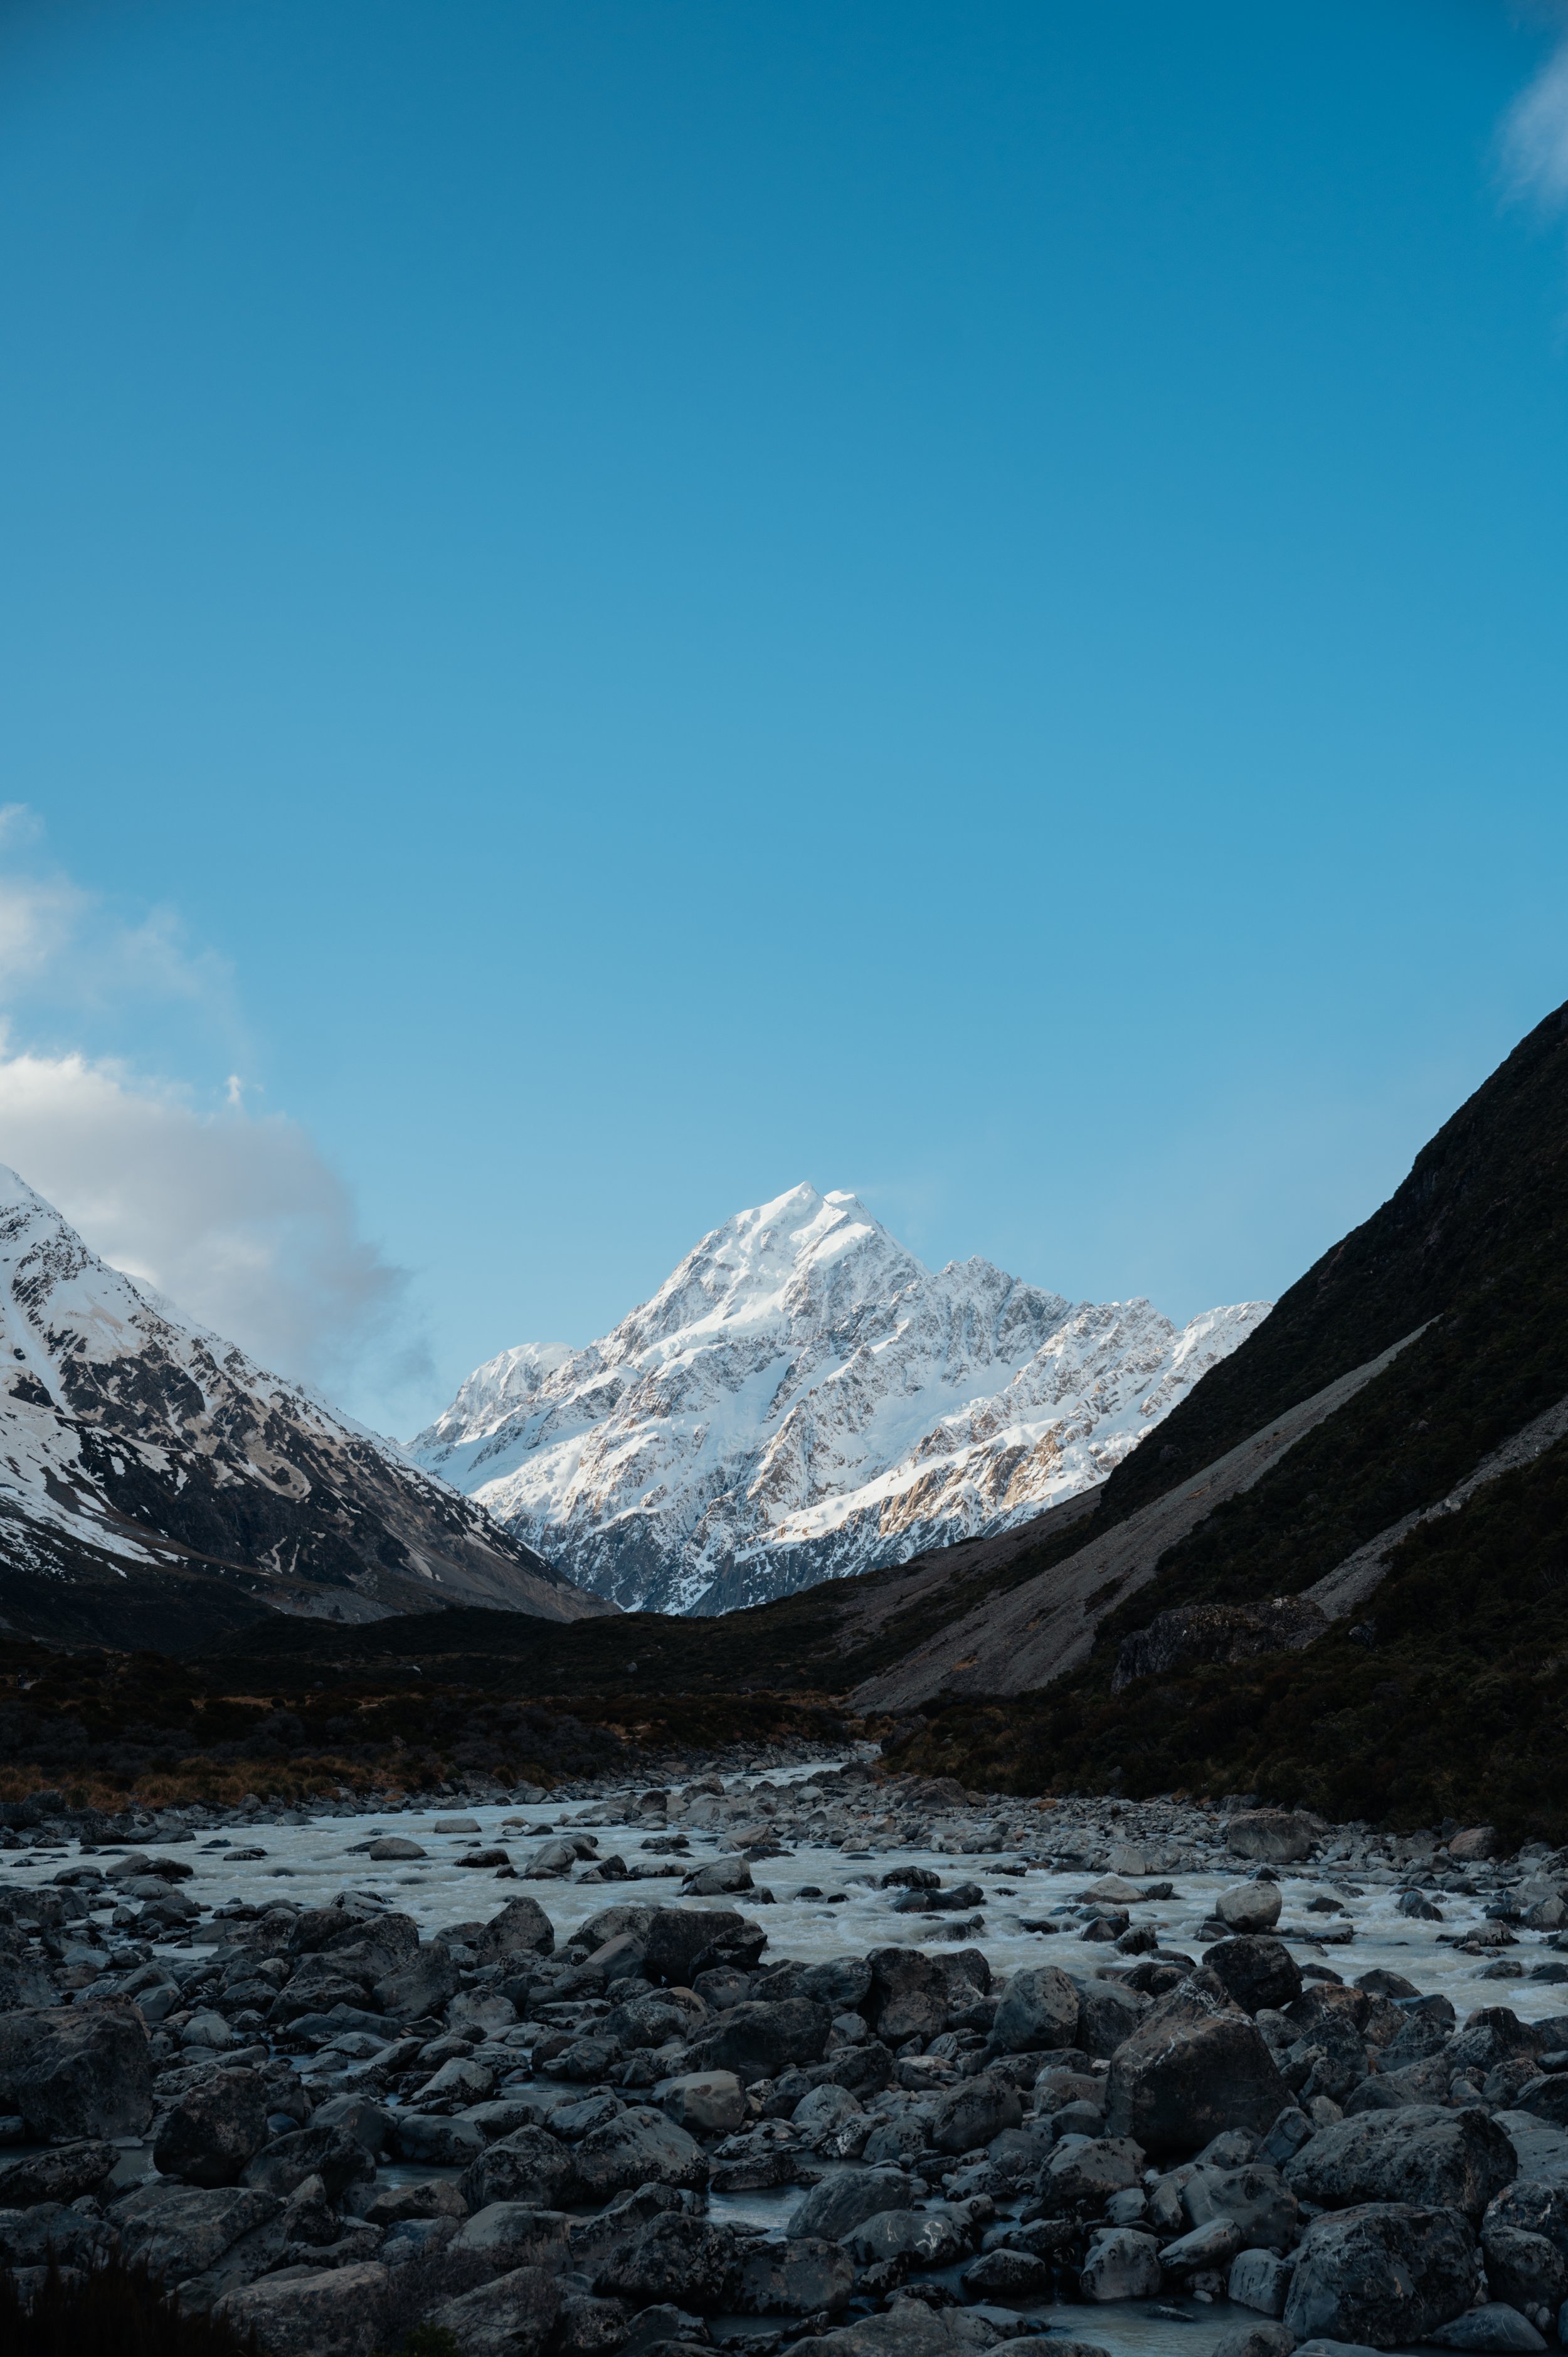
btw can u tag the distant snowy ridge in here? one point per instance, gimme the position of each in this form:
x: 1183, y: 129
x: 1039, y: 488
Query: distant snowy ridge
x: 803, y: 1399
x: 137, y: 1448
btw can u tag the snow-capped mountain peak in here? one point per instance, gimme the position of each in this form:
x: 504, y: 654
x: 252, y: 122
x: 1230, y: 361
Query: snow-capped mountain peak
x: 802, y: 1398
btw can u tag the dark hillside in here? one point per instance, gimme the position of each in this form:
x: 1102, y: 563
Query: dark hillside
x: 1486, y: 1205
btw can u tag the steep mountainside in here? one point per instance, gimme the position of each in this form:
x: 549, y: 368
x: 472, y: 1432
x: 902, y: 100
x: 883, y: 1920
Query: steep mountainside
x: 803, y: 1400
x: 1418, y: 1534
x: 156, y: 1488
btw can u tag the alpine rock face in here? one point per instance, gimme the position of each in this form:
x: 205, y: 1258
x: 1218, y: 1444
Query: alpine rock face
x: 157, y: 1488
x: 803, y: 1399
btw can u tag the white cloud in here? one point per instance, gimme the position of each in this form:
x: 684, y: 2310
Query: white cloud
x: 235, y: 1217
x: 1535, y: 134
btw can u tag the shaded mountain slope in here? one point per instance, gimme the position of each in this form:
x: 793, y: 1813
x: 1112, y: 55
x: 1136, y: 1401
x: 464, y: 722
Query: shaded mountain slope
x: 157, y: 1488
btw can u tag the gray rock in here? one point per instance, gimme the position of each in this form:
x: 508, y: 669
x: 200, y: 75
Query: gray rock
x: 522, y: 1929
x: 676, y: 2257
x: 909, y: 1995
x: 62, y: 2174
x: 685, y: 1941
x: 531, y: 2167
x: 1524, y: 2236
x: 1276, y: 1837
x: 421, y: 1985
x: 1086, y: 2171
x: 922, y: 2238
x: 1255, y: 1972
x: 1195, y: 2065
x: 1255, y: 2341
x: 1495, y: 2326
x: 590, y: 2327
x: 1250, y: 1907
x: 508, y: 2234
x: 179, y: 2231
x: 1037, y: 2013
x: 706, y: 2103
x: 1213, y: 2245
x: 807, y: 2278
x: 759, y: 2039
x: 842, y: 1983
x: 46, y: 2230
x: 1254, y: 2196
x: 1120, y: 2264
x: 639, y: 2147
x: 972, y: 2112
x: 846, y: 2198
x: 1009, y: 2276
x: 1108, y: 2014
x: 215, y: 2129
x: 719, y: 1876
x: 77, y: 2071
x: 438, y: 2139
x: 335, y: 2312
x: 1260, y: 2279
x: 1384, y: 2274
x: 335, y: 2155
x: 511, y: 2317
x: 1418, y: 2153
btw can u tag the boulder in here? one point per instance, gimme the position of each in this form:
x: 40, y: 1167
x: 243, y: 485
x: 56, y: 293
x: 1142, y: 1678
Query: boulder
x: 1418, y: 2154
x: 590, y: 2327
x: 1495, y: 2326
x: 909, y: 1995
x: 704, y: 2102
x: 1475, y: 1842
x: 1384, y: 2273
x: 685, y: 1941
x: 508, y: 2234
x: 1121, y: 2264
x: 639, y: 2146
x: 511, y: 2317
x: 1255, y: 2341
x: 180, y: 2231
x: 842, y: 1983
x: 1195, y: 2065
x: 46, y: 2230
x: 1255, y: 1972
x: 1524, y: 2238
x: 77, y: 2071
x: 1211, y: 2246
x: 335, y: 2312
x: 62, y: 2173
x: 1108, y: 2014
x: 676, y: 2257
x: 973, y: 2112
x: 810, y: 2277
x: 335, y: 2155
x: 1260, y: 2279
x: 530, y: 2166
x: 438, y: 2139
x: 720, y: 1875
x: 390, y: 1847
x: 1274, y: 1836
x: 1037, y: 2013
x: 1083, y: 2172
x: 214, y: 2130
x: 1250, y: 1907
x: 1009, y: 2276
x: 845, y: 2198
x: 420, y: 1986
x: 757, y: 2040
x: 1254, y: 2197
x: 522, y: 1929
x: 913, y: 2238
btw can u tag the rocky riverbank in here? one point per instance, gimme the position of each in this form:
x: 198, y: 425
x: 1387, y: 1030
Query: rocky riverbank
x: 586, y: 2124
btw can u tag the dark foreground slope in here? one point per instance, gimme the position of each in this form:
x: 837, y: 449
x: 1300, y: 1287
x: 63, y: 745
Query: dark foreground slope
x: 1442, y: 1682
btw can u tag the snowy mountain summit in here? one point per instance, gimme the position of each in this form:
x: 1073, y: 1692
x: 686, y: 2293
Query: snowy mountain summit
x: 803, y: 1399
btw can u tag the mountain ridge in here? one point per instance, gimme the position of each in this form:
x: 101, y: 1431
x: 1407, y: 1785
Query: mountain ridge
x: 155, y: 1482
x: 803, y: 1399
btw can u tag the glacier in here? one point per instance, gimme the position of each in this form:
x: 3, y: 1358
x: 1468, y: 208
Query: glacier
x: 803, y: 1399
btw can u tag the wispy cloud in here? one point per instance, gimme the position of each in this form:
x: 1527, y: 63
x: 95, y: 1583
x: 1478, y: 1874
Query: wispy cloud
x: 233, y: 1214
x: 1535, y: 133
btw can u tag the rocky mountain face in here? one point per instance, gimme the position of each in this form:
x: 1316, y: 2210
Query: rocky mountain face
x: 157, y: 1488
x: 802, y: 1400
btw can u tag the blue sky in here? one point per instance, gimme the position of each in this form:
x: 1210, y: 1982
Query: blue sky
x: 606, y: 607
